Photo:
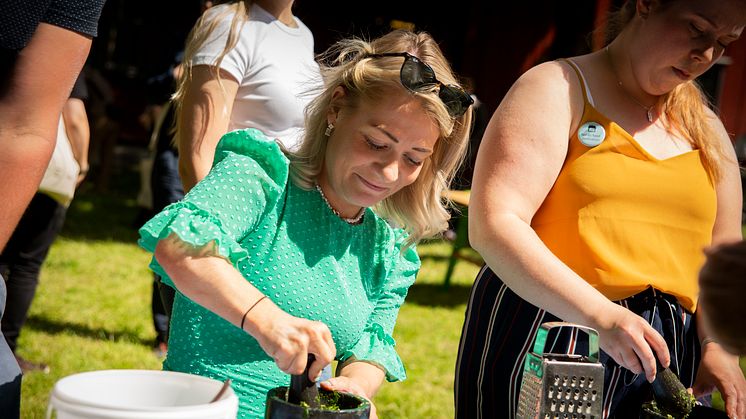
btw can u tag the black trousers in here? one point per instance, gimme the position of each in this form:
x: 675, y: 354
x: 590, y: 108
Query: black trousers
x: 20, y: 262
x: 10, y: 373
x: 500, y: 327
x: 165, y: 185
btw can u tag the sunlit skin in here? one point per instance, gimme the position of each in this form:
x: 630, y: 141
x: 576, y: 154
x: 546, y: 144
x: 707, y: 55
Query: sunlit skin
x: 375, y: 150
x: 525, y: 148
x: 679, y: 43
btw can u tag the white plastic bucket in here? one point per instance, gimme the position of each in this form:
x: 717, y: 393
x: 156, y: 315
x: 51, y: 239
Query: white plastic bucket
x: 140, y: 394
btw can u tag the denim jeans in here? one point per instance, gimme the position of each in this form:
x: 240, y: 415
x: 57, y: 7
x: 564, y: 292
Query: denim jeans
x: 10, y: 372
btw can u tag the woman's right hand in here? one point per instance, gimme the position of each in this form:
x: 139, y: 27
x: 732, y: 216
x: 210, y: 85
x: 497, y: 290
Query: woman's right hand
x: 289, y: 340
x: 631, y: 341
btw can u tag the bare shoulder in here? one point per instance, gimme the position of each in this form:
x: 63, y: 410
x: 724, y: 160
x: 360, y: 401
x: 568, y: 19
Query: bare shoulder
x: 722, y: 134
x: 551, y: 76
x: 549, y: 90
x: 554, y: 84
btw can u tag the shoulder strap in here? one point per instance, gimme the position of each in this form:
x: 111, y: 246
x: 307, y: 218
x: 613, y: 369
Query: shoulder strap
x: 586, y: 92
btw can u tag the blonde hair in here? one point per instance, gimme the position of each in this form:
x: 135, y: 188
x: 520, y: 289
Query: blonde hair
x: 685, y: 107
x: 418, y: 207
x: 200, y: 33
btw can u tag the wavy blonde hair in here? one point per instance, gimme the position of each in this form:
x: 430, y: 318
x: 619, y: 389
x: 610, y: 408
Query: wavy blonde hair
x: 200, y: 33
x: 685, y: 107
x: 419, y: 207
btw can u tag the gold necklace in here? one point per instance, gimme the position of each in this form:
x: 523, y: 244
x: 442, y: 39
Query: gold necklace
x: 353, y: 220
x: 648, y: 109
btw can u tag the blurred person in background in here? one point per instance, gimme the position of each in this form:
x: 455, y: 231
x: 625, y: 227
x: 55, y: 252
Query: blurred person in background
x: 599, y: 181
x: 247, y: 64
x: 276, y: 254
x: 722, y: 285
x: 462, y: 180
x: 43, y: 45
x: 165, y: 183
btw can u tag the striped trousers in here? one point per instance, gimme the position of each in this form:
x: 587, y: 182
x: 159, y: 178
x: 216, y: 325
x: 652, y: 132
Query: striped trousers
x: 500, y: 328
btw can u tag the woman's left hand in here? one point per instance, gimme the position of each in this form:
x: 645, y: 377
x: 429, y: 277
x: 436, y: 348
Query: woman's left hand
x: 719, y: 370
x: 348, y: 385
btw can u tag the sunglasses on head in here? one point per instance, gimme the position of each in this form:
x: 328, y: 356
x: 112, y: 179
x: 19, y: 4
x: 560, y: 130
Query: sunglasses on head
x: 415, y: 75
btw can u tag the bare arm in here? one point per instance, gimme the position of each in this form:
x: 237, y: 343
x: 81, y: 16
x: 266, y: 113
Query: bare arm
x: 204, y: 118
x: 29, y: 114
x: 212, y: 282
x: 718, y: 368
x: 727, y: 228
x: 78, y: 132
x: 522, y: 152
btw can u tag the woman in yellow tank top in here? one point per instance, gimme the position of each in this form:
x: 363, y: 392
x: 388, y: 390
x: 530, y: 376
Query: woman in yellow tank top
x: 599, y: 181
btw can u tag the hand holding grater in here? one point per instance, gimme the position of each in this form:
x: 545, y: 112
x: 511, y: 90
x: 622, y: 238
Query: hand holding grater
x: 558, y: 386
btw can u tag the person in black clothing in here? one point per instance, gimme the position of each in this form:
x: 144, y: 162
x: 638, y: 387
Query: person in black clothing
x: 165, y: 186
x: 462, y: 179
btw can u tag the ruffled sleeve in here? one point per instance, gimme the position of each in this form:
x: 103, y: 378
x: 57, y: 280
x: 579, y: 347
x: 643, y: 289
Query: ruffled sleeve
x: 248, y: 177
x: 376, y: 345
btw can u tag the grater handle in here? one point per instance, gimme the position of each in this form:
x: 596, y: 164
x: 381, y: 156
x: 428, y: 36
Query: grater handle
x: 541, y: 337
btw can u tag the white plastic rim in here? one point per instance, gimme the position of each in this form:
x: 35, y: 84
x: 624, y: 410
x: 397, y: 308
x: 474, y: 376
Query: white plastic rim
x: 137, y: 393
x: 70, y: 411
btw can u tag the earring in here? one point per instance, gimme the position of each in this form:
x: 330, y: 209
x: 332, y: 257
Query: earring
x: 329, y: 129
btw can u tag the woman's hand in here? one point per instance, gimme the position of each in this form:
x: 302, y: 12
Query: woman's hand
x: 719, y: 369
x: 82, y: 173
x: 349, y: 385
x: 631, y: 341
x: 290, y: 339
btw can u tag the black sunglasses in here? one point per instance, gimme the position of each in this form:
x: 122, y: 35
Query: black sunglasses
x: 415, y: 75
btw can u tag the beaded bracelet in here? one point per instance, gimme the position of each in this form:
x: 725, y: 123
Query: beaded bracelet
x: 243, y: 319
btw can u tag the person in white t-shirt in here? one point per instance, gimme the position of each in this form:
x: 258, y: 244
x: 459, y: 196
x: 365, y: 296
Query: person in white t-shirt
x: 249, y: 64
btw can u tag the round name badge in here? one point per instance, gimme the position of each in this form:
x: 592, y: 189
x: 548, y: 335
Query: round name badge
x: 591, y: 134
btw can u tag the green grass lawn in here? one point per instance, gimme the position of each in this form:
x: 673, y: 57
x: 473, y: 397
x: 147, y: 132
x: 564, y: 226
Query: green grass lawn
x: 92, y: 311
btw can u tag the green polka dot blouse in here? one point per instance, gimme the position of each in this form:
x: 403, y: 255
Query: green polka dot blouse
x: 289, y: 244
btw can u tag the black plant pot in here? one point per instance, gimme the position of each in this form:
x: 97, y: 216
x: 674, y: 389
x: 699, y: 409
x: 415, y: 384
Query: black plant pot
x: 350, y: 406
x: 699, y: 412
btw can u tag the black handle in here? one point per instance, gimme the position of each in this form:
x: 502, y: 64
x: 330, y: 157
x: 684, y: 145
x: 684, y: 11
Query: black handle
x: 302, y: 389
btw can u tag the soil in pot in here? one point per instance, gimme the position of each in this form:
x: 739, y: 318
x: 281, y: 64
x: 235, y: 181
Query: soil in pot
x: 334, y: 405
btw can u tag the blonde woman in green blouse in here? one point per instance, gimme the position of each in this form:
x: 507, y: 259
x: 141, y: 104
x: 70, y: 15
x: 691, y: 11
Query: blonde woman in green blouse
x: 276, y: 255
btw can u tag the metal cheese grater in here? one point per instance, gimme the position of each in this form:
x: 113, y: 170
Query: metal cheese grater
x: 558, y: 386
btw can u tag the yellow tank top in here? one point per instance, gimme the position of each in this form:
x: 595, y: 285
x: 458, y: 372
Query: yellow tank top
x: 624, y: 220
